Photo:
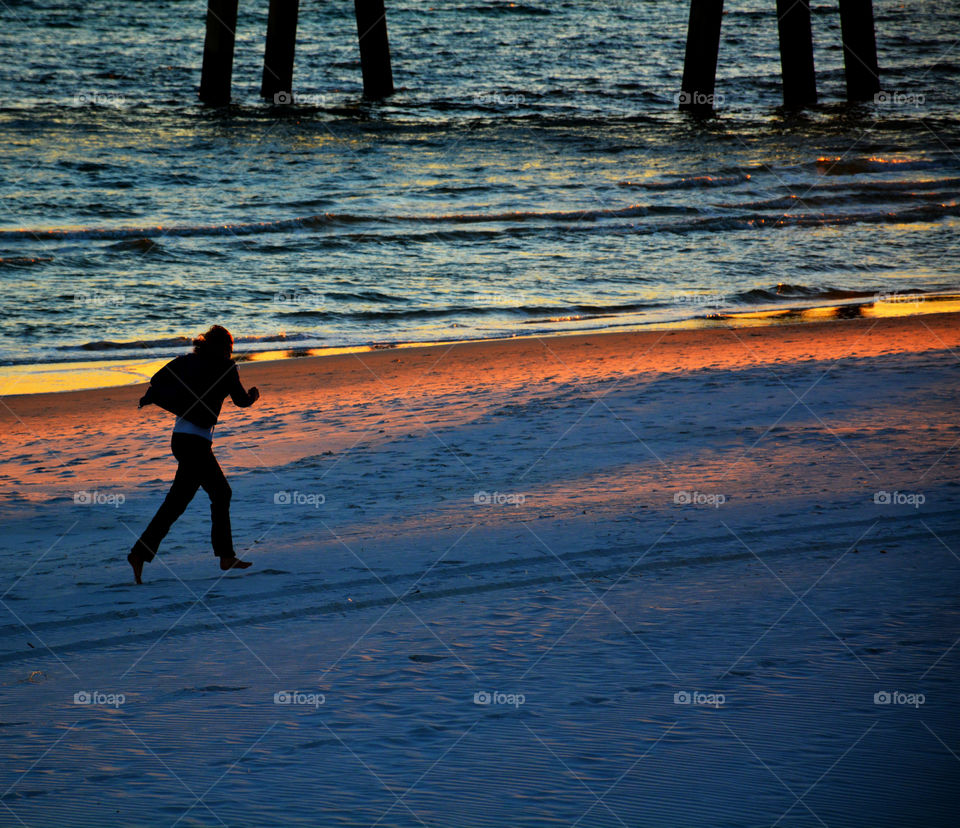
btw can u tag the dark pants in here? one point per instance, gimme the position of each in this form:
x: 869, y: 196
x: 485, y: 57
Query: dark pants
x: 198, y: 467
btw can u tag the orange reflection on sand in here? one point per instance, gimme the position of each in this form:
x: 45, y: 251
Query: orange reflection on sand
x: 385, y: 394
x: 75, y: 376
x: 905, y: 304
x: 885, y: 306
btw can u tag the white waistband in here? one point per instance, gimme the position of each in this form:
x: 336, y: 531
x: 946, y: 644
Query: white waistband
x: 186, y: 427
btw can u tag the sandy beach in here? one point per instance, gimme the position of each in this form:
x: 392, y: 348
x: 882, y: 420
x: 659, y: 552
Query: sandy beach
x: 585, y: 385
x: 679, y: 577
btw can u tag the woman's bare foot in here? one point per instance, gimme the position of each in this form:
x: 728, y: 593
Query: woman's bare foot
x: 234, y: 563
x: 137, y: 563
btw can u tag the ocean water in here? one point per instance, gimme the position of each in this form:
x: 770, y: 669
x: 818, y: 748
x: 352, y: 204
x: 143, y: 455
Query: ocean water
x: 531, y: 174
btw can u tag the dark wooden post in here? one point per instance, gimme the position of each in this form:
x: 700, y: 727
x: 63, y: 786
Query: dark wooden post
x: 374, y: 48
x: 700, y: 62
x: 859, y: 49
x: 796, y: 53
x: 277, y: 84
x: 218, y: 52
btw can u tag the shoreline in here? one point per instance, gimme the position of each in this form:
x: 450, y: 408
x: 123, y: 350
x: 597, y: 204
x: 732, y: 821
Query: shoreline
x: 315, y: 405
x: 92, y: 374
x: 826, y: 339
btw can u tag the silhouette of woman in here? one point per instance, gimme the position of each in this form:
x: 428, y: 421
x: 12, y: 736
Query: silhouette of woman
x: 194, y: 387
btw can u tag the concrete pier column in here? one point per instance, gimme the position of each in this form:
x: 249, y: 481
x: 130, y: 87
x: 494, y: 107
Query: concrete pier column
x: 700, y: 62
x: 217, y: 69
x: 859, y: 49
x: 796, y: 53
x: 277, y: 83
x: 374, y: 48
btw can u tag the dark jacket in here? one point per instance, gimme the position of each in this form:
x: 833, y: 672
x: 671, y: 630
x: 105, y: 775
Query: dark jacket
x: 194, y: 387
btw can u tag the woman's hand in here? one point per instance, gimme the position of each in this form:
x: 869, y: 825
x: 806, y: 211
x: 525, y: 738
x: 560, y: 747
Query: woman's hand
x: 147, y: 398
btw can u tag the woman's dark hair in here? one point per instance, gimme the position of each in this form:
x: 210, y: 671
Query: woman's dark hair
x: 214, y: 342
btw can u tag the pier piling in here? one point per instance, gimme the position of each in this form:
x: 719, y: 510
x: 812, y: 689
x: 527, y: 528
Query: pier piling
x: 859, y: 49
x: 700, y: 61
x: 277, y: 83
x: 217, y: 69
x: 374, y: 48
x: 699, y: 67
x: 796, y: 53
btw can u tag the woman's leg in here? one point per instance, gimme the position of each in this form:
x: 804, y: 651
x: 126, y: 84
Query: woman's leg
x: 190, y: 457
x: 215, y: 485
